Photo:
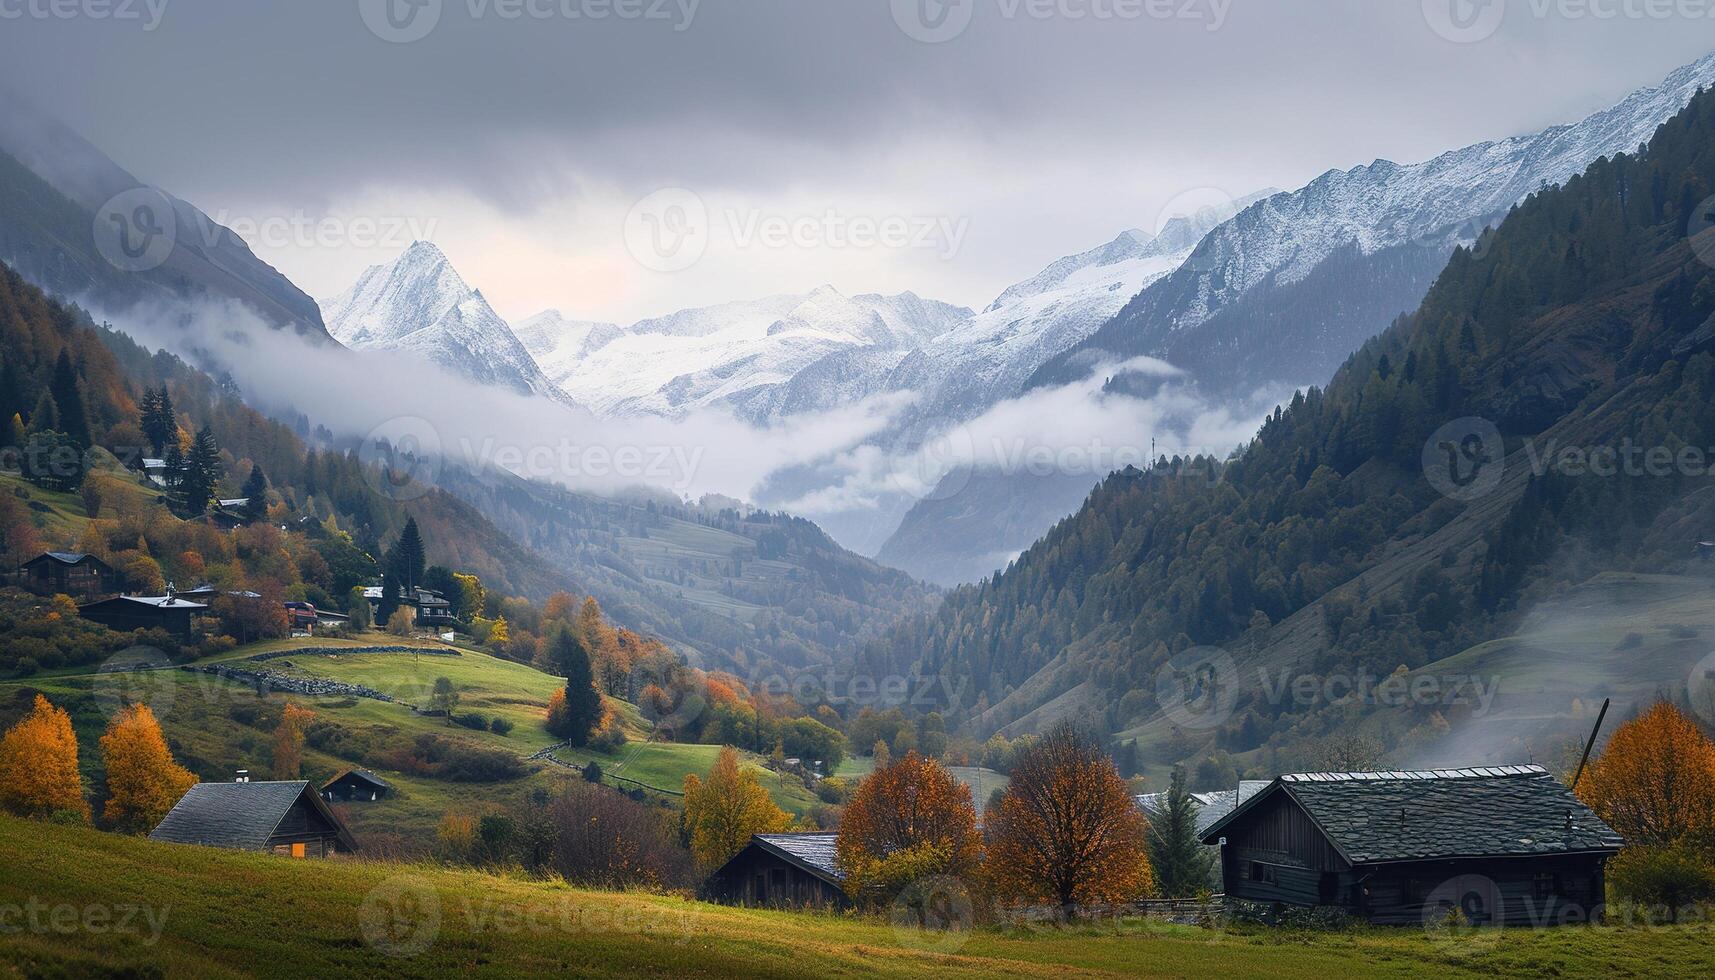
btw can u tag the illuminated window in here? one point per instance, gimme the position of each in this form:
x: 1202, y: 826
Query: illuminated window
x: 297, y: 850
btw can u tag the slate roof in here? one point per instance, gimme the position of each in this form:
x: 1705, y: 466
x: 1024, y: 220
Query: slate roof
x: 1381, y: 817
x: 812, y: 852
x: 241, y: 816
x: 361, y: 774
x: 153, y: 601
x: 65, y: 558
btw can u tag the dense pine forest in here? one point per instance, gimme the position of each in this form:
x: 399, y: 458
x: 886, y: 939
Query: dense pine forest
x: 1582, y: 320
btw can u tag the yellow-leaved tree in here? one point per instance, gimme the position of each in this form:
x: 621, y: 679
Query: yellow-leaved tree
x: 908, y: 823
x: 38, y: 765
x: 289, y: 741
x: 723, y: 811
x: 143, y: 781
x: 1655, y: 780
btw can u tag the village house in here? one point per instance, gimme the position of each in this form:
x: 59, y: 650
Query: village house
x: 286, y: 818
x: 137, y: 612
x: 781, y: 871
x: 1507, y: 845
x: 432, y: 609
x: 304, y: 617
x: 70, y: 573
x: 356, y: 785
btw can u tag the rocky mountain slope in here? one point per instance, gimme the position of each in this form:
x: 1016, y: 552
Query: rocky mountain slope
x: 66, y: 210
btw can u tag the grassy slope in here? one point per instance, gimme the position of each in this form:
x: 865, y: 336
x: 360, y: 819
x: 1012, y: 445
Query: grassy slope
x: 224, y: 913
x: 60, y: 517
x: 195, y: 712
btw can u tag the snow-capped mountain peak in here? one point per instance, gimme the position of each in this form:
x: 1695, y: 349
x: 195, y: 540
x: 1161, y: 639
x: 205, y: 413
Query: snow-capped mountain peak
x: 419, y: 304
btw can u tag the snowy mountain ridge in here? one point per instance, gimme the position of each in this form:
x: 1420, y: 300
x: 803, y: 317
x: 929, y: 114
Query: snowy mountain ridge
x: 420, y: 305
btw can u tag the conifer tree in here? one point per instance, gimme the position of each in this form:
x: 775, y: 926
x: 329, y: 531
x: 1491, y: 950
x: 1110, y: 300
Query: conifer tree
x: 582, y: 711
x: 256, y: 492
x: 68, y: 399
x: 1181, y: 863
x: 407, y: 561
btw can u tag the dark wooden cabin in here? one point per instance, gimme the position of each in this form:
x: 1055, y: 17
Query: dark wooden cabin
x: 285, y: 818
x: 1506, y: 845
x: 69, y: 573
x: 136, y: 612
x: 358, y: 785
x: 781, y: 871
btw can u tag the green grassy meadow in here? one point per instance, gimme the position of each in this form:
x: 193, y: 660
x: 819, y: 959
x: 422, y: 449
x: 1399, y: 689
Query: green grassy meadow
x: 82, y: 903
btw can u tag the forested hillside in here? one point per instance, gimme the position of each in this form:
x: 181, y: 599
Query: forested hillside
x: 67, y: 383
x: 1582, y: 321
x: 746, y: 591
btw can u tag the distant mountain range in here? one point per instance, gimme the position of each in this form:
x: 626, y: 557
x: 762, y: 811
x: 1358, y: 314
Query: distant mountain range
x: 1294, y: 283
x: 1279, y: 296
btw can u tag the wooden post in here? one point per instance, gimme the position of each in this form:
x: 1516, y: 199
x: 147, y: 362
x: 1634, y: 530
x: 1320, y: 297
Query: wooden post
x: 1591, y: 743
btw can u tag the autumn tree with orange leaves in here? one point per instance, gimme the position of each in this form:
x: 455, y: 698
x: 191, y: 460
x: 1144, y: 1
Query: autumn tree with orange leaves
x: 289, y: 741
x: 1067, y: 830
x: 905, y: 823
x: 143, y: 781
x: 38, y: 765
x: 725, y: 809
x: 1655, y: 780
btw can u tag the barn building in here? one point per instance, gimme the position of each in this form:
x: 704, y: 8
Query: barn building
x: 68, y: 573
x: 137, y: 612
x: 781, y: 871
x: 1507, y: 845
x: 356, y: 785
x: 284, y: 818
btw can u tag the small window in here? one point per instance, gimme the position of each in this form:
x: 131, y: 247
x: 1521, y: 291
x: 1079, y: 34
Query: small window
x: 1263, y: 873
x: 1547, y: 886
x: 298, y: 850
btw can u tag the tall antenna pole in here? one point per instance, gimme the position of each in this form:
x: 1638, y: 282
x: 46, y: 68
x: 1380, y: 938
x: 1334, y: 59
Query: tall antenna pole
x: 1591, y: 743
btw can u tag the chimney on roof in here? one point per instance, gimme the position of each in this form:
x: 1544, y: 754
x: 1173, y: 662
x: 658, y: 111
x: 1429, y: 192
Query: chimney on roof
x: 243, y: 776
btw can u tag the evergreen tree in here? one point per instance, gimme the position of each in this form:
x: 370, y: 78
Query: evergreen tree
x: 583, y: 702
x: 256, y: 492
x: 202, y: 472
x: 68, y: 399
x: 45, y: 417
x: 1183, y: 866
x: 158, y: 422
x: 407, y: 561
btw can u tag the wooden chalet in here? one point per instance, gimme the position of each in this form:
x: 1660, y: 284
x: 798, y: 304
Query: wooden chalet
x: 69, y: 573
x: 136, y: 612
x: 1507, y: 845
x: 781, y: 871
x: 285, y: 818
x: 356, y: 785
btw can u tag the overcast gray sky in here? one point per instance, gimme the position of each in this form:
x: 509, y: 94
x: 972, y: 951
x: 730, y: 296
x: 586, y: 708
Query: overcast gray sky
x: 999, y: 134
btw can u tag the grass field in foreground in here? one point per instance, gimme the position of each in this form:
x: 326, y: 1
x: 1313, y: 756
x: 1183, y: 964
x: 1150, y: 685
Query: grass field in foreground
x: 188, y: 911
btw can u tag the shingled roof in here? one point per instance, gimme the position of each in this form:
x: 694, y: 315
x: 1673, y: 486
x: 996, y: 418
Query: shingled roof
x: 241, y: 816
x: 1381, y: 817
x: 812, y: 852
